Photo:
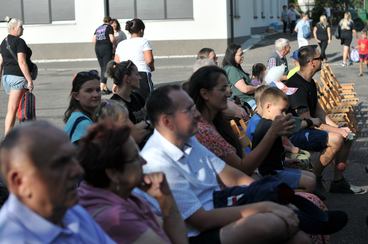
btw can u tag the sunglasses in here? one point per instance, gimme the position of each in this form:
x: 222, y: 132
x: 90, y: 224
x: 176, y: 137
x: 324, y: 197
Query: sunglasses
x: 318, y: 58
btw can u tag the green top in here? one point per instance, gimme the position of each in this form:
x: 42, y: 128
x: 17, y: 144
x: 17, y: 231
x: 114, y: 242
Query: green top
x: 234, y: 75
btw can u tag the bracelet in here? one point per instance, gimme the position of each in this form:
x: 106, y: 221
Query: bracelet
x: 309, y: 122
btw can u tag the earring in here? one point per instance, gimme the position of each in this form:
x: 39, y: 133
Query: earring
x: 117, y: 187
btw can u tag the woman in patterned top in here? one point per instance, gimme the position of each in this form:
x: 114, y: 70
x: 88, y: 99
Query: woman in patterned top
x: 209, y: 89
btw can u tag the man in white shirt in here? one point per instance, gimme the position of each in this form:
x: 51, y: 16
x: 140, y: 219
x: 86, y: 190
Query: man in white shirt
x: 304, y: 31
x: 192, y: 172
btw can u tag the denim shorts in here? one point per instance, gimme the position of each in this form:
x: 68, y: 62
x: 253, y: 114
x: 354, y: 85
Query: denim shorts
x: 13, y: 82
x: 289, y: 176
x: 310, y: 139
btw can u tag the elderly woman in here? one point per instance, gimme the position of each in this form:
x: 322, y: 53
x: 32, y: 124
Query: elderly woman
x: 15, y: 65
x: 113, y: 168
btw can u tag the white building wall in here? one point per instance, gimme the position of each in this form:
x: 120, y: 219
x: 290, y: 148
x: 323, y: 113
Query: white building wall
x: 209, y: 22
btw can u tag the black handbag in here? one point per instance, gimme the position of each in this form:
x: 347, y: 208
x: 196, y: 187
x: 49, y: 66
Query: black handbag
x: 337, y: 33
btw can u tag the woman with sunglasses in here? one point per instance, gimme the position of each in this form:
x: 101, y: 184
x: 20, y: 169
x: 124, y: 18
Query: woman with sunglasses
x: 85, y: 97
x: 126, y: 77
x: 15, y: 64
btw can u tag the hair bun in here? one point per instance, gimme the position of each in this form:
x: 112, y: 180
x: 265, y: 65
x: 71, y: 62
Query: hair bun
x: 128, y: 25
x: 7, y: 19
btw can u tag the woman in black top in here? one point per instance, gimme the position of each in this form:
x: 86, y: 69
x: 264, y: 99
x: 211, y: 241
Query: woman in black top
x: 104, y: 42
x: 15, y: 67
x: 126, y: 77
x: 347, y: 33
x: 322, y: 34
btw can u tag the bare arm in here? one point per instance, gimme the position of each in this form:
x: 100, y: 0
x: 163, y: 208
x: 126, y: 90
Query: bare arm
x: 315, y: 34
x: 94, y: 39
x: 25, y: 70
x: 1, y: 65
x: 233, y: 177
x: 112, y: 39
x: 329, y: 34
x: 243, y: 87
x: 148, y: 58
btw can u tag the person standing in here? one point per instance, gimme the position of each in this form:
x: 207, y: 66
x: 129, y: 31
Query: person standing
x: 139, y: 51
x: 304, y: 31
x: 347, y: 32
x: 118, y: 33
x: 292, y: 17
x: 284, y: 17
x: 322, y: 34
x: 15, y: 65
x: 104, y: 42
x: 363, y: 50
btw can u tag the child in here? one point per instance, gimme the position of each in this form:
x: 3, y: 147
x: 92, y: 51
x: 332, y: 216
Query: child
x: 274, y: 103
x: 296, y: 68
x: 258, y: 74
x: 363, y: 50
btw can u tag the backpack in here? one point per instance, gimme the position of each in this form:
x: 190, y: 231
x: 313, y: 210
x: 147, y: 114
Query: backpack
x: 27, y: 107
x: 306, y: 31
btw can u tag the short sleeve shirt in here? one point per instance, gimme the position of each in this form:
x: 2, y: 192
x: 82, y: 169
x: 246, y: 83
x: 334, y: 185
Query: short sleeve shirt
x: 275, y: 158
x: 17, y: 45
x: 133, y: 49
x: 234, y: 75
x: 322, y: 32
x: 300, y: 26
x: 137, y: 112
x: 363, y: 46
x: 210, y: 138
x: 102, y: 34
x: 80, y: 128
x: 305, y: 96
x: 191, y: 173
x: 252, y: 125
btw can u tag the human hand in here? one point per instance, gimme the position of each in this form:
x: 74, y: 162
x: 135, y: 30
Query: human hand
x: 283, y: 125
x: 344, y: 131
x: 234, y: 110
x: 155, y: 184
x: 295, y: 149
x: 30, y: 86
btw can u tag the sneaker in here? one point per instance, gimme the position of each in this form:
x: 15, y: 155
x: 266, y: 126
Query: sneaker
x: 360, y: 74
x: 343, y: 64
x: 350, y: 63
x: 342, y: 186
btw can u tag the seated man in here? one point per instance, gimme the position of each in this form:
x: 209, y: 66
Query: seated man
x: 334, y: 146
x: 274, y: 103
x: 192, y: 172
x: 40, y: 169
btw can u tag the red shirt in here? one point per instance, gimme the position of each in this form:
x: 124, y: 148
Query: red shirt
x: 363, y: 46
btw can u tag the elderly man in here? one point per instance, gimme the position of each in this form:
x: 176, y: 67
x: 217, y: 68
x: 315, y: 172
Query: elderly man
x: 39, y: 166
x: 328, y: 138
x: 192, y: 172
x: 282, y: 49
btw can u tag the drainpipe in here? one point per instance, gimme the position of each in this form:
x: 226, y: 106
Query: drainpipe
x: 231, y: 21
x: 107, y: 8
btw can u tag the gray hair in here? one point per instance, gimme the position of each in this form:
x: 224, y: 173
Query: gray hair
x: 13, y: 22
x: 199, y: 63
x: 281, y: 43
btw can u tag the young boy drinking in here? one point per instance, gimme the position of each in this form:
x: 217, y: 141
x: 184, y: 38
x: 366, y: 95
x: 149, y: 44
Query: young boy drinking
x: 274, y: 103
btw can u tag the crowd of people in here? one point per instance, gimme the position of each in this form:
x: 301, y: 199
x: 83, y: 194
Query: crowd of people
x: 164, y: 165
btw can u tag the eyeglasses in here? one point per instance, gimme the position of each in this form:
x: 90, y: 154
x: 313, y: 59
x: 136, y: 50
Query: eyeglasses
x: 318, y: 58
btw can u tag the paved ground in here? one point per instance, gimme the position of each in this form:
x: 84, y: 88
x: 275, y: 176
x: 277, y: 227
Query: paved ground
x: 54, y: 84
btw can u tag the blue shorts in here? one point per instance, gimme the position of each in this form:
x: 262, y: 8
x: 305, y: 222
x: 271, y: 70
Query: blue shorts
x: 310, y: 140
x: 289, y: 176
x: 13, y: 82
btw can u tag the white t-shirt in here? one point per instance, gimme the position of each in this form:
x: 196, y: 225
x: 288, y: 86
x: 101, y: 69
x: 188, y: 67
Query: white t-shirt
x: 133, y: 49
x: 191, y: 173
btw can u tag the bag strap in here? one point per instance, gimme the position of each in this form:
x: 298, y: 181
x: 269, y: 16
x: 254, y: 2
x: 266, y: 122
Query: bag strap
x: 76, y: 122
x: 10, y: 50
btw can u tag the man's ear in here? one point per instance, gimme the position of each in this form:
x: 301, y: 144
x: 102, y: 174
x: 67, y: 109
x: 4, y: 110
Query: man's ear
x: 167, y: 121
x: 17, y: 184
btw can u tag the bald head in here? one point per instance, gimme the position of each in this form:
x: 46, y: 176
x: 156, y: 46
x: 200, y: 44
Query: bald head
x: 37, y: 141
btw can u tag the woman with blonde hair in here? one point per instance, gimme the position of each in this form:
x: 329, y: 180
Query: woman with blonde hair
x: 15, y: 67
x: 322, y: 34
x: 347, y: 32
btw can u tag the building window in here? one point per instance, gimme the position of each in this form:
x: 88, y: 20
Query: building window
x: 38, y: 11
x: 151, y: 9
x: 255, y: 9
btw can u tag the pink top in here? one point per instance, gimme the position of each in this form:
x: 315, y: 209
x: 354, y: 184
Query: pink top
x: 210, y: 138
x: 124, y: 220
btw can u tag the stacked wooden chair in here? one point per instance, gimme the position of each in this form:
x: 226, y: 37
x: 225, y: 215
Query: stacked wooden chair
x: 337, y: 100
x: 239, y: 129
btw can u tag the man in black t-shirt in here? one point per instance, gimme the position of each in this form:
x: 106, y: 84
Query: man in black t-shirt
x: 305, y: 104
